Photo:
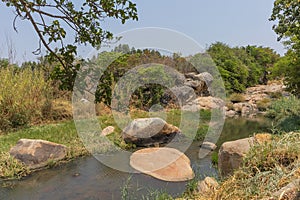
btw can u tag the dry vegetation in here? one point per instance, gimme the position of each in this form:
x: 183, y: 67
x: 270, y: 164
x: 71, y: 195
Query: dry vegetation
x: 267, y: 168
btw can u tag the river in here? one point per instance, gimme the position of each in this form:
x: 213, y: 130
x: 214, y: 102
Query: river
x: 87, y: 178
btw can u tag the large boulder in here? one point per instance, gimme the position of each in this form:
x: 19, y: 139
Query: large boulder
x: 147, y: 132
x: 166, y: 164
x: 37, y: 153
x: 199, y: 82
x: 231, y: 155
x: 179, y: 95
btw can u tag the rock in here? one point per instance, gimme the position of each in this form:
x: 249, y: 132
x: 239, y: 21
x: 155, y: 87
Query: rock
x: 199, y: 82
x: 166, y: 164
x: 182, y: 94
x: 37, y: 153
x: 230, y: 113
x: 207, y: 185
x: 231, y: 155
x: 205, y: 103
x: 198, y: 86
x: 108, y: 130
x: 208, y: 145
x: 147, y: 132
x: 245, y: 109
x: 291, y: 191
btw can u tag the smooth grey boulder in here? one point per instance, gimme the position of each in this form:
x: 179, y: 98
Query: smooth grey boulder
x: 147, y: 132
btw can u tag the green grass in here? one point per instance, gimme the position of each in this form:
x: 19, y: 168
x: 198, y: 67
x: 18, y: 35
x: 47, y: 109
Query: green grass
x: 65, y: 133
x: 62, y: 133
x: 286, y: 114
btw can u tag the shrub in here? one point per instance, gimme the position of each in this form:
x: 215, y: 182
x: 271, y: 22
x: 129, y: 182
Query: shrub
x: 23, y: 95
x: 286, y: 113
x: 236, y: 98
x: 263, y: 104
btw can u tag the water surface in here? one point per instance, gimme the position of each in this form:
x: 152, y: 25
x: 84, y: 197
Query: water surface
x: 87, y: 178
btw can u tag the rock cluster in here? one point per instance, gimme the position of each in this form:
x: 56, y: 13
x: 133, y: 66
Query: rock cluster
x: 255, y: 100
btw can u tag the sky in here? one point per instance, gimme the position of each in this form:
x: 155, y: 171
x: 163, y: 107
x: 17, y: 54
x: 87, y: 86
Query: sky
x: 234, y: 22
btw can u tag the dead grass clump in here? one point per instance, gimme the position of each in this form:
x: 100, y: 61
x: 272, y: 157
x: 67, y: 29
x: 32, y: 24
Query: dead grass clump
x: 267, y: 168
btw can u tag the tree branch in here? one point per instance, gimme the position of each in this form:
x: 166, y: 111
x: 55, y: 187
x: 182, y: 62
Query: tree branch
x: 40, y: 35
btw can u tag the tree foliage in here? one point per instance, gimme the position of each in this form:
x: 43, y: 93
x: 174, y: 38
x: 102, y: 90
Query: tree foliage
x: 242, y: 67
x: 54, y: 20
x: 286, y: 14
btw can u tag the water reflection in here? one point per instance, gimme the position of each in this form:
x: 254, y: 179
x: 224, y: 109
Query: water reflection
x: 86, y: 178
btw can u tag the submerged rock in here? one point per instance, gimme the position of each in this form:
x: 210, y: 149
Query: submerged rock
x: 147, y: 132
x: 166, y: 164
x: 38, y: 153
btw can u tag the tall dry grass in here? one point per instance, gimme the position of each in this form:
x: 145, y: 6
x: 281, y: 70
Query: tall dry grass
x: 25, y: 97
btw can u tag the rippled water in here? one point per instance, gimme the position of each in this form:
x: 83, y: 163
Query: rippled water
x: 87, y: 178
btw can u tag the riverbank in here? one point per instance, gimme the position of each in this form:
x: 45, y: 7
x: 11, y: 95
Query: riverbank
x: 65, y: 133
x: 270, y: 171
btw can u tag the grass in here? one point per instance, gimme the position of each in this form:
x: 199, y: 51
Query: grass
x: 237, y: 98
x: 62, y: 133
x: 65, y: 133
x: 285, y: 112
x: 267, y: 168
x: 25, y: 97
x: 263, y: 104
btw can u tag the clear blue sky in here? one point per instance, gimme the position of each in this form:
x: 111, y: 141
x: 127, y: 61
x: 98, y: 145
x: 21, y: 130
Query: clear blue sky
x: 235, y: 22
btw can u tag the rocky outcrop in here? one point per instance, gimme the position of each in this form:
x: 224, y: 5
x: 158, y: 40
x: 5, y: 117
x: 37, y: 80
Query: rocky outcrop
x: 165, y: 164
x: 193, y: 86
x: 199, y: 82
x: 179, y: 95
x: 231, y: 154
x: 204, y: 103
x: 255, y: 100
x: 147, y: 132
x: 37, y: 153
x: 207, y: 185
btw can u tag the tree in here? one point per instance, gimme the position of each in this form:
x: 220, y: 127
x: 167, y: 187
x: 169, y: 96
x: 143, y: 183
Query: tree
x: 287, y: 15
x: 53, y: 20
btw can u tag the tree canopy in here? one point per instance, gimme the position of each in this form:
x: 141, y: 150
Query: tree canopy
x: 54, y: 20
x: 286, y: 14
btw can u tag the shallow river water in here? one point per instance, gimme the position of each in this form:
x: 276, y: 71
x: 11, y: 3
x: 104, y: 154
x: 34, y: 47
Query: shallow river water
x: 87, y: 178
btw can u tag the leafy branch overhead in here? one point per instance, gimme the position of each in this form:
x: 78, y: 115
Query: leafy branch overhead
x: 286, y: 13
x: 53, y: 20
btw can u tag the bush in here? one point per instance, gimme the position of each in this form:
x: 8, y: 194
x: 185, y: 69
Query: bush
x: 286, y: 113
x: 23, y: 95
x: 263, y: 104
x: 236, y: 98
